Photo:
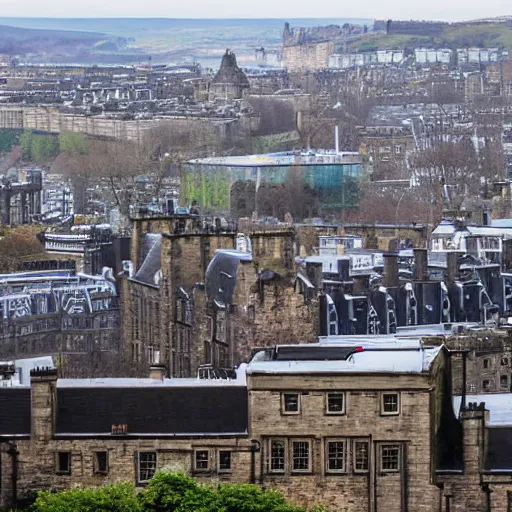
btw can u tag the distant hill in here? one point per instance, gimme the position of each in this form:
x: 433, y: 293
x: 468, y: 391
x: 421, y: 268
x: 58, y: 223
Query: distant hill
x: 167, y: 39
x: 22, y: 41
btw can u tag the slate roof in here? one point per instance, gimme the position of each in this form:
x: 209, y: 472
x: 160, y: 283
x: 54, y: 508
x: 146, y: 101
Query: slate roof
x: 220, y: 277
x: 499, y: 452
x: 150, y: 257
x: 185, y: 411
x: 14, y: 411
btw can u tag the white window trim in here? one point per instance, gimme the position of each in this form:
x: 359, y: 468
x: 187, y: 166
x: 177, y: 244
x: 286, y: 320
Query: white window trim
x: 336, y: 413
x: 285, y: 457
x: 283, y: 409
x: 310, y: 456
x: 399, y: 403
x: 139, y: 453
x: 202, y: 470
x: 345, y: 456
x: 230, y: 470
x: 381, y: 457
x: 354, y: 455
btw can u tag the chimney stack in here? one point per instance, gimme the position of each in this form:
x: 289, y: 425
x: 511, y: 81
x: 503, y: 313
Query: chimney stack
x: 452, y: 266
x: 157, y: 372
x: 391, y: 277
x: 43, y: 398
x: 421, y: 264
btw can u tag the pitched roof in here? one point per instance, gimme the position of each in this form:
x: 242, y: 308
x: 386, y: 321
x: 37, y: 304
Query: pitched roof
x: 165, y: 410
x: 14, y: 411
x: 499, y: 449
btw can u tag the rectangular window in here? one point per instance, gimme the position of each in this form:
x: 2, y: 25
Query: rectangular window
x: 147, y: 466
x: 486, y: 385
x: 63, y: 463
x: 504, y: 381
x: 224, y: 458
x: 277, y: 455
x: 361, y: 456
x: 390, y: 404
x: 390, y: 458
x: 487, y: 363
x: 301, y: 456
x: 202, y: 460
x: 100, y: 463
x: 504, y: 361
x: 336, y: 456
x: 335, y: 403
x: 290, y: 403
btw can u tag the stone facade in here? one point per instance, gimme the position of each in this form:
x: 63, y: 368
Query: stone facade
x: 314, y: 55
x: 353, y: 458
x: 177, y: 323
x: 488, y: 361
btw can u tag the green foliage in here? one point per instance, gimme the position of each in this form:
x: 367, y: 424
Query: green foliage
x: 251, y: 498
x: 171, y: 492
x: 167, y: 492
x: 111, y: 498
x: 8, y: 139
x: 37, y: 147
x: 73, y: 143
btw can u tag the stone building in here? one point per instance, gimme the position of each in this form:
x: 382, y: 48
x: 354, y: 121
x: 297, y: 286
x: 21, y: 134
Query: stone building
x: 362, y: 425
x: 230, y: 82
x: 193, y: 299
x: 488, y: 361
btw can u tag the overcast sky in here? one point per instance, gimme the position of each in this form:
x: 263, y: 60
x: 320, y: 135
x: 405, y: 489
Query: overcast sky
x: 397, y: 9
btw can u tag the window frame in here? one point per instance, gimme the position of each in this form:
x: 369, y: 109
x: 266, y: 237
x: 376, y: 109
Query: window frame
x: 95, y: 465
x: 328, y: 412
x: 381, y: 457
x: 208, y: 460
x: 383, y: 412
x: 292, y: 457
x: 344, y: 470
x: 284, y: 412
x: 139, y: 454
x: 354, y: 455
x: 225, y: 470
x: 285, y: 455
x: 58, y: 469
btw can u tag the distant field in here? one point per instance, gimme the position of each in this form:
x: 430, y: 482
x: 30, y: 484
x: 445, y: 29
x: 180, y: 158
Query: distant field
x: 457, y: 36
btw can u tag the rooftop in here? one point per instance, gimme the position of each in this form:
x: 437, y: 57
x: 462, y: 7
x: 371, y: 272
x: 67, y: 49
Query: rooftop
x: 282, y: 159
x: 366, y: 357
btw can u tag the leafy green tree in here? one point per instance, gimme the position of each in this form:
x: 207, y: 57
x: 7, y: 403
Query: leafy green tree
x: 73, y: 143
x: 251, y: 498
x: 167, y: 492
x: 111, y: 498
x: 8, y: 139
x: 37, y: 147
x: 171, y: 492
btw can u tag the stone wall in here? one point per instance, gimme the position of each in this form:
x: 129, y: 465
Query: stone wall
x: 362, y: 420
x: 308, y: 55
